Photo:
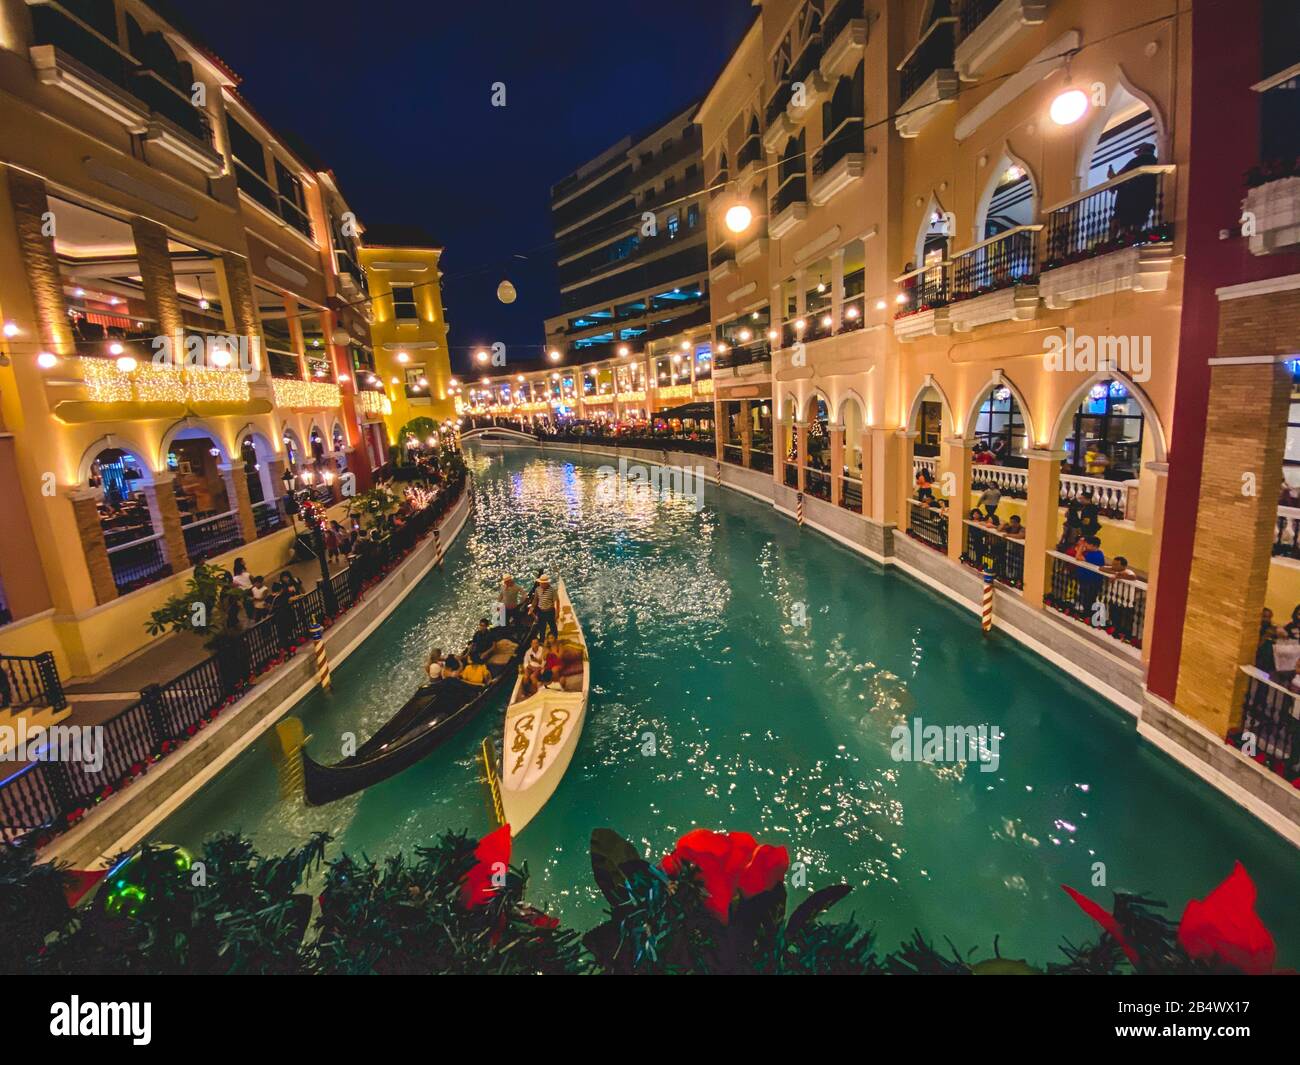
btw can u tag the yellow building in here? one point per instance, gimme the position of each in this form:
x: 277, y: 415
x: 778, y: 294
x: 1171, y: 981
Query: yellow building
x: 408, y: 327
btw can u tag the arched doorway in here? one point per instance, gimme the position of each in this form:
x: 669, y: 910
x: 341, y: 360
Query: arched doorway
x: 205, y: 500
x: 128, y: 516
x: 817, y: 451
x: 994, y: 526
x: 927, y: 509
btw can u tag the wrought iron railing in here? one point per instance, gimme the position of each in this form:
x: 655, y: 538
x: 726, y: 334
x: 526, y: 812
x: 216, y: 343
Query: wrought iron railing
x: 30, y: 681
x: 1103, y: 602
x: 972, y: 13
x: 840, y: 16
x: 761, y: 461
x: 928, y: 524
x: 848, y: 137
x: 210, y: 536
x: 923, y: 289
x: 1126, y: 211
x: 794, y: 189
x: 817, y: 483
x: 1270, y: 724
x: 1010, y: 258
x: 139, y: 562
x: 851, y: 494
x: 932, y: 52
x: 267, y: 516
x: 791, y: 475
x: 988, y: 550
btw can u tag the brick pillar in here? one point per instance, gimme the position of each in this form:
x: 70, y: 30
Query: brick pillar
x: 161, y: 497
x: 837, y: 463
x: 85, y: 513
x: 1160, y: 475
x: 39, y: 261
x: 721, y: 429
x: 159, y: 280
x: 1245, y: 433
x: 235, y: 285
x: 1042, y: 512
x: 240, y: 501
x: 746, y: 433
x: 954, y: 459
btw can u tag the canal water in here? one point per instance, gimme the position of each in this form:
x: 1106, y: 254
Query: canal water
x: 747, y: 676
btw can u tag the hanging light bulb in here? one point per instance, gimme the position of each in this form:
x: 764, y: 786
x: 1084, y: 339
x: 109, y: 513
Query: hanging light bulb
x: 46, y: 360
x: 506, y: 292
x: 738, y: 217
x: 1069, y: 107
x: 403, y: 357
x: 11, y: 329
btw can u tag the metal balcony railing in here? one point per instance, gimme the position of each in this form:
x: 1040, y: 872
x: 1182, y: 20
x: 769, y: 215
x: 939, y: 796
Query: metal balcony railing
x: 1008, y: 259
x: 1090, y: 595
x: 923, y: 289
x: 139, y: 562
x: 934, y: 51
x: 847, y: 138
x: 988, y: 550
x: 30, y: 681
x: 1126, y: 211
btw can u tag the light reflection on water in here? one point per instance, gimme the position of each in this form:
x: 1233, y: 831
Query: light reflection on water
x: 761, y: 723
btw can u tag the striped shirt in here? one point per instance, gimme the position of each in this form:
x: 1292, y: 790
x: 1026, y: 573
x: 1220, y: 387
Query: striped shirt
x: 545, y: 597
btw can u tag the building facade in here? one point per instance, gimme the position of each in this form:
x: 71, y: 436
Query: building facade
x: 187, y: 328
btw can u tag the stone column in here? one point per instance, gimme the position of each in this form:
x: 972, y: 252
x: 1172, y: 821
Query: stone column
x: 868, y: 471
x: 1042, y: 513
x: 892, y: 473
x: 40, y: 263
x: 1245, y: 433
x: 954, y: 460
x: 159, y: 282
x: 1160, y: 484
x: 837, y: 462
x: 235, y: 288
x: 240, y: 501
x: 85, y: 513
x: 746, y: 433
x: 161, y: 497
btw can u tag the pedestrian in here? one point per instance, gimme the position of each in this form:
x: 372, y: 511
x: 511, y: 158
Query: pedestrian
x: 989, y: 499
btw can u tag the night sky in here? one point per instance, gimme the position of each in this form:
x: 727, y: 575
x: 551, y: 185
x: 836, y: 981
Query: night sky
x: 395, y: 97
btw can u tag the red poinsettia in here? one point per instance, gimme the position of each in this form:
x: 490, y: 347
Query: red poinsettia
x: 1225, y: 926
x: 493, y: 854
x: 1105, y: 919
x: 730, y: 863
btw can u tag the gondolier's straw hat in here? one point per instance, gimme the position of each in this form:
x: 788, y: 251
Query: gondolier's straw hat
x: 543, y: 579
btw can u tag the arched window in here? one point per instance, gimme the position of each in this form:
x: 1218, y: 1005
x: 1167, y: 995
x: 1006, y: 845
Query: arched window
x: 1129, y: 134
x: 1105, y: 439
x: 1000, y: 429
x: 1011, y: 203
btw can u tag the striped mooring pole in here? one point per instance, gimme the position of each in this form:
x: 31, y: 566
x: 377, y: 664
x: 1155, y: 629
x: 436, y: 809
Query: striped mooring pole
x: 798, y: 509
x: 717, y: 472
x: 986, y: 607
x: 437, y: 549
x: 317, y: 632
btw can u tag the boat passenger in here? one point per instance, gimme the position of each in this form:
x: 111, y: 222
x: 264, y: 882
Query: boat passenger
x: 480, y: 644
x: 476, y: 672
x: 433, y: 668
x: 450, y: 667
x: 534, y: 658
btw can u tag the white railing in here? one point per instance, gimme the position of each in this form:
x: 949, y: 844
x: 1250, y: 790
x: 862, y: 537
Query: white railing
x: 921, y: 462
x: 1111, y: 497
x: 1008, y: 479
x: 135, y: 543
x: 205, y: 521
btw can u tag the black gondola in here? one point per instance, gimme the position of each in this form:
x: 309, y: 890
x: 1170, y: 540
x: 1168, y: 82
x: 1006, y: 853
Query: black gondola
x: 432, y: 715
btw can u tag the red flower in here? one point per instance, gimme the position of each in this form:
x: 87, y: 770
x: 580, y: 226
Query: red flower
x: 729, y: 862
x: 493, y: 854
x: 1225, y: 926
x: 1105, y: 919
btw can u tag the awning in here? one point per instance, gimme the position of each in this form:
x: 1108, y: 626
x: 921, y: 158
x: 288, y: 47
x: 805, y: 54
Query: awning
x: 687, y: 410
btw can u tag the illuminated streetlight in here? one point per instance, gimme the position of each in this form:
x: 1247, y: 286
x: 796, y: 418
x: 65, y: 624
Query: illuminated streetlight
x: 481, y: 356
x: 901, y: 298
x: 11, y: 329
x: 800, y: 325
x: 45, y: 360
x: 1069, y: 107
x: 738, y: 217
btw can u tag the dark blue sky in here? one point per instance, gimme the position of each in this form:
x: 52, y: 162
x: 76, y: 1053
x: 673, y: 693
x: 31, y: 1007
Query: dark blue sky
x: 395, y: 96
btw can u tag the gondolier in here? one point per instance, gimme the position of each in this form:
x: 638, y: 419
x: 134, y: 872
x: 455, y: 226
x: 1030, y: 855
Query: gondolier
x: 546, y: 606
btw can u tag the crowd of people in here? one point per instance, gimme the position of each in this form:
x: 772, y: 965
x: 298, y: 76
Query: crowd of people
x: 1278, y: 653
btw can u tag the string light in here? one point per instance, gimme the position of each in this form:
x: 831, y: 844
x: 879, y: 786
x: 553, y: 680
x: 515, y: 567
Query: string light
x: 290, y: 393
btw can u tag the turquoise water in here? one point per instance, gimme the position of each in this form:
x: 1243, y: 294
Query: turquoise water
x: 713, y: 707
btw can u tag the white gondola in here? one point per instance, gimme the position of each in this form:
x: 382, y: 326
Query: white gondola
x: 542, y: 730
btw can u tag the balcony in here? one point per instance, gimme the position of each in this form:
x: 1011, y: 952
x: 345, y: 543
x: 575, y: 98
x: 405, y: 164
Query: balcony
x: 988, y: 551
x: 757, y: 353
x: 749, y: 160
x: 777, y: 127
x: 839, y: 162
x: 1271, y: 210
x: 55, y: 67
x: 1111, y: 238
x: 1097, y: 600
x: 722, y: 264
x: 928, y: 523
x: 927, y: 78
x: 754, y: 247
x: 1271, y: 715
x: 789, y: 206
x: 987, y: 27
x: 211, y: 536
x: 996, y: 280
x: 923, y: 309
x: 806, y: 75
x: 845, y: 34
